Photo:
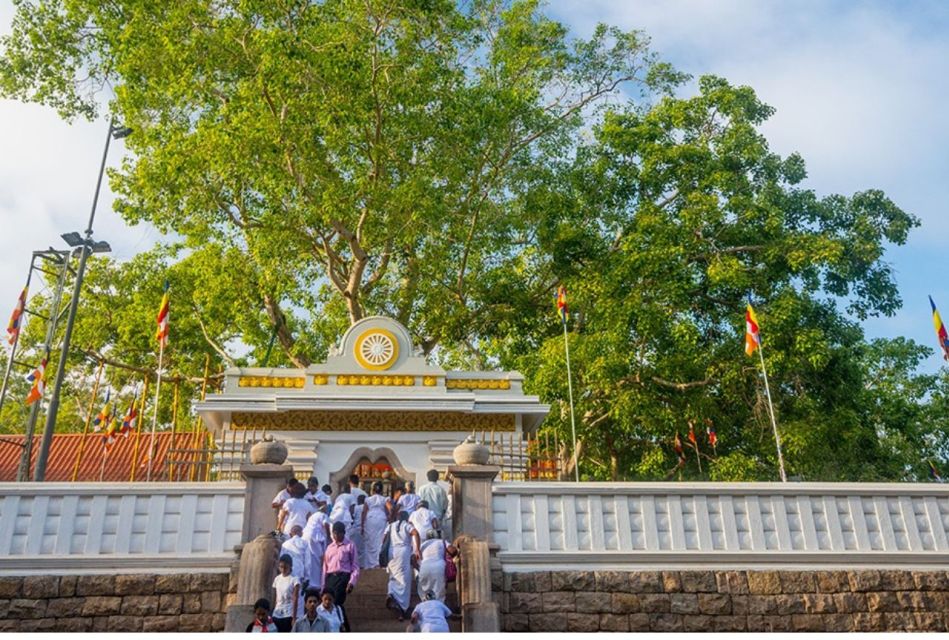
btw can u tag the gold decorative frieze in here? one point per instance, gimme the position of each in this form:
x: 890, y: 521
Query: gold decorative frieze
x: 274, y: 382
x: 430, y: 381
x: 364, y: 380
x: 373, y: 421
x: 320, y: 379
x: 489, y: 384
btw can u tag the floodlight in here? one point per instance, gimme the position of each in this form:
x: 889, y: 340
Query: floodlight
x: 73, y: 239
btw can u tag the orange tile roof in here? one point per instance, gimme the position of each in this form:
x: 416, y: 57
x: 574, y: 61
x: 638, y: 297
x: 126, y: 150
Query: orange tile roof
x: 96, y: 464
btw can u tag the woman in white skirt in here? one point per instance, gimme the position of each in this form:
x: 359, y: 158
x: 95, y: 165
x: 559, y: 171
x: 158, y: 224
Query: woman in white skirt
x: 403, y: 544
x: 374, y: 519
x: 431, y: 571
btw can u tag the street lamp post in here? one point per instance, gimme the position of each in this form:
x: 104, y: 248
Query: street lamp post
x: 87, y: 246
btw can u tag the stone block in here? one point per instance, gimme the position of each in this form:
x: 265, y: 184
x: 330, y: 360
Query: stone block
x: 882, y: 601
x: 10, y: 587
x: 715, y: 604
x: 172, y: 583
x: 837, y: 622
x: 798, y: 582
x: 95, y: 586
x: 769, y: 624
x: 900, y: 621
x: 832, y: 582
x: 583, y: 622
x: 684, y: 603
x: 218, y: 620
x: 726, y: 624
x: 572, y: 581
x: 735, y: 582
x: 40, y: 586
x: 211, y: 601
x: 559, y: 601
x: 516, y: 622
x: 869, y: 622
x: 65, y: 607
x: 157, y: 624
x: 4, y: 608
x: 613, y: 622
x: 671, y: 582
x: 553, y: 622
x: 611, y: 581
x: 74, y: 625
x: 930, y: 621
x: 542, y: 582
x: 504, y: 603
x: 763, y: 605
x: 896, y: 580
x: 191, y: 603
x: 789, y: 603
x: 913, y: 600
x: 696, y: 623
x: 527, y: 602
x: 645, y: 582
x: 850, y: 602
x: 596, y: 602
x: 208, y: 582
x: 931, y: 580
x: 100, y: 624
x: 637, y: 622
x: 140, y: 605
x: 26, y: 609
x: 169, y: 604
x: 45, y: 625
x: 665, y: 622
x: 818, y: 603
x: 522, y: 582
x: 497, y: 581
x: 194, y: 622
x: 806, y: 622
x: 654, y: 603
x: 698, y: 581
x: 102, y: 606
x: 763, y: 582
x: 625, y: 603
x: 866, y: 580
x: 134, y: 585
x: 740, y: 605
x: 131, y: 624
x: 67, y: 586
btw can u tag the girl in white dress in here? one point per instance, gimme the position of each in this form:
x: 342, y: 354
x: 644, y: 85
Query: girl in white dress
x: 431, y: 571
x: 431, y: 615
x: 403, y: 544
x: 374, y: 518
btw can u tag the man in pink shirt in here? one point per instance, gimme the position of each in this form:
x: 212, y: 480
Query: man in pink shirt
x: 340, y: 568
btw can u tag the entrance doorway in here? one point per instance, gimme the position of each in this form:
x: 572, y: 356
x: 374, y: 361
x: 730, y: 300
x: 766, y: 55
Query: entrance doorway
x: 372, y: 465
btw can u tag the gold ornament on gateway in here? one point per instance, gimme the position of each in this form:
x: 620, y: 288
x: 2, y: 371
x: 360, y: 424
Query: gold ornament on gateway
x: 376, y: 350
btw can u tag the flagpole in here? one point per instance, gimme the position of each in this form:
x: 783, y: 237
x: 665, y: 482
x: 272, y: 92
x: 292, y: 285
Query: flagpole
x: 151, y: 444
x: 573, y: 422
x: 16, y: 338
x: 85, y: 428
x: 774, y: 424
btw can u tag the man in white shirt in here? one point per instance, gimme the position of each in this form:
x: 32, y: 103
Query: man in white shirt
x: 314, y: 494
x: 354, y: 488
x: 435, y: 496
x: 424, y: 520
x: 343, y: 509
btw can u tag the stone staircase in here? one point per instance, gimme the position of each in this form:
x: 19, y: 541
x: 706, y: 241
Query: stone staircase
x: 366, y: 605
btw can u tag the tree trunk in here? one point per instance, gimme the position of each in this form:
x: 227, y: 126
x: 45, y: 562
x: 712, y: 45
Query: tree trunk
x: 279, y: 321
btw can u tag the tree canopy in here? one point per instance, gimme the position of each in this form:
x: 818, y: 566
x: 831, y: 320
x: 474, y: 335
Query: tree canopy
x: 449, y: 164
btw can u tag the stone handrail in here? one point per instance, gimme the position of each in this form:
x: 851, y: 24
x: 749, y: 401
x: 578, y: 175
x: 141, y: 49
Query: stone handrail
x: 103, y: 528
x: 736, y: 525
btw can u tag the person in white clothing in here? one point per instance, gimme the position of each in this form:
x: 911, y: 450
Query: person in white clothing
x: 374, y: 519
x: 424, y: 520
x: 343, y: 509
x: 357, y: 531
x: 431, y: 571
x: 403, y: 544
x: 434, y: 495
x: 330, y: 613
x: 316, y: 533
x: 409, y: 500
x: 297, y: 548
x: 287, y: 590
x: 314, y: 494
x: 354, y: 487
x: 431, y: 615
x: 295, y: 511
x: 311, y: 622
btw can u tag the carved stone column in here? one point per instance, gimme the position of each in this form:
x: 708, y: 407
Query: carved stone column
x: 258, y: 567
x: 264, y: 480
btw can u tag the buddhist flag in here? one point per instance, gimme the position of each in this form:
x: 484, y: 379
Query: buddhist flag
x: 162, y: 319
x: 38, y: 378
x: 677, y: 446
x: 940, y: 330
x: 692, y: 437
x: 933, y: 473
x: 131, y: 418
x: 111, y: 433
x: 562, y: 303
x: 16, y: 319
x: 752, y: 338
x: 102, y: 420
x: 712, y: 438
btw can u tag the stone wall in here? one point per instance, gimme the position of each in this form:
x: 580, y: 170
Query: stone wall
x: 867, y: 600
x: 135, y: 602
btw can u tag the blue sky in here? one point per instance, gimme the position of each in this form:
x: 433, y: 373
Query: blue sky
x: 860, y: 88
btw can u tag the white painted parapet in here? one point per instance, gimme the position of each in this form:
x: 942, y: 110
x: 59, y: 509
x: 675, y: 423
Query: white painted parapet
x: 73, y: 528
x: 604, y: 526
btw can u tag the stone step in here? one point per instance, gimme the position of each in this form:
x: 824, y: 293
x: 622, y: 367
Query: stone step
x: 392, y: 626
x: 374, y: 607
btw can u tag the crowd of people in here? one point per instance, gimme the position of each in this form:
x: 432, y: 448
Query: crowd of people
x: 327, y: 541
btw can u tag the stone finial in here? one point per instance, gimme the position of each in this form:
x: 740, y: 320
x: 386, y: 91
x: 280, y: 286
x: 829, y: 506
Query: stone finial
x: 268, y: 451
x: 471, y: 452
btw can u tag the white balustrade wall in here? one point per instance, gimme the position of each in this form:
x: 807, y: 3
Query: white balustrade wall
x: 104, y: 528
x: 542, y: 526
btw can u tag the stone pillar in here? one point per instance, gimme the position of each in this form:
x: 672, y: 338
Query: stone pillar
x: 258, y: 567
x: 473, y: 527
x: 265, y: 477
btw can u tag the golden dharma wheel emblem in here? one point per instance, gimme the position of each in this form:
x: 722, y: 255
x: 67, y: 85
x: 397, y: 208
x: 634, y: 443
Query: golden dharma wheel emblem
x: 376, y: 349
